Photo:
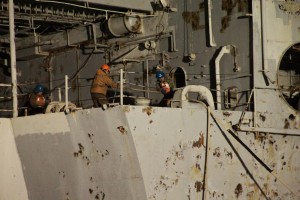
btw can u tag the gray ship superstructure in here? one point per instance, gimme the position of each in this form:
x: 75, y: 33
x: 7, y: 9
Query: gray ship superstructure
x: 232, y: 129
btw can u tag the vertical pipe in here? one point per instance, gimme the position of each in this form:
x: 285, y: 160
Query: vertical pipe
x: 263, y: 36
x: 66, y: 93
x: 265, y: 68
x: 51, y: 84
x: 147, y: 71
x: 50, y: 77
x: 205, y: 177
x: 59, y: 94
x: 121, y: 86
x: 254, y: 103
x: 13, y: 57
x: 225, y: 49
x: 212, y: 42
x: 78, y: 78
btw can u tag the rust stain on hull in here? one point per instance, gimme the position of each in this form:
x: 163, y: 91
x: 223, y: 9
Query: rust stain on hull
x: 199, y: 142
x: 122, y: 130
x: 148, y: 110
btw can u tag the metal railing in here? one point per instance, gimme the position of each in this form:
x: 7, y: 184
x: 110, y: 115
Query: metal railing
x: 3, y: 97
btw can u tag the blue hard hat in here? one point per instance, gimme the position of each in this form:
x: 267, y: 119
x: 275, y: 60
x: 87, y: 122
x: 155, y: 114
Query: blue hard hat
x: 160, y: 74
x: 39, y: 88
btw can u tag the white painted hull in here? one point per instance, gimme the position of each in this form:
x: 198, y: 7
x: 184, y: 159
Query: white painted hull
x: 136, y: 152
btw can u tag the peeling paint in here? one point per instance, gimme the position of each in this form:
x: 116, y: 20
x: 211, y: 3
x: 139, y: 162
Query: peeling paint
x: 122, y: 130
x: 198, y: 186
x: 67, y: 196
x: 290, y: 6
x: 217, y: 152
x: 286, y: 124
x: 262, y: 117
x: 126, y: 109
x: 238, y: 190
x: 228, y: 154
x: 199, y: 142
x: 227, y: 114
x: 62, y: 174
x: 179, y: 155
x: 91, y: 135
x: 193, y: 18
x: 228, y: 6
x: 260, y: 136
x: 80, y: 151
x: 148, y: 110
x: 196, y: 171
x: 292, y: 117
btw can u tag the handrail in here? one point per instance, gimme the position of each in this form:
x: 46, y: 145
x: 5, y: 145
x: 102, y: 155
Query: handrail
x: 121, y: 86
x: 13, y: 57
x: 5, y: 85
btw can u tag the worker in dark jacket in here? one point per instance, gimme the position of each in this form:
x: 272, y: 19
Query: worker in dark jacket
x: 100, y: 84
x: 36, y: 101
x: 166, y: 88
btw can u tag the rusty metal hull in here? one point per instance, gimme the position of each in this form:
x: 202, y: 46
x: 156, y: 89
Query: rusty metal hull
x: 129, y: 152
x: 241, y: 57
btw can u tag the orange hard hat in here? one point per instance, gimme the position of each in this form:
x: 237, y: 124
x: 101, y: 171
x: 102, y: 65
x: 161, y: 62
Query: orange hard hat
x: 105, y: 67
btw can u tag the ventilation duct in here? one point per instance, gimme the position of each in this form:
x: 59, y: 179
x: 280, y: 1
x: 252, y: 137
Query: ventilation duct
x: 121, y: 25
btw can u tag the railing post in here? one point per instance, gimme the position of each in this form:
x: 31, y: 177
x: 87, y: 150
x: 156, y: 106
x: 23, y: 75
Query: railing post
x: 59, y: 94
x: 147, y: 71
x: 121, y: 86
x: 66, y: 93
x: 13, y: 57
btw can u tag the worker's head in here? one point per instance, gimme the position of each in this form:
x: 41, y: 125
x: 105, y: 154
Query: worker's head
x: 39, y: 89
x: 105, y: 68
x: 159, y: 75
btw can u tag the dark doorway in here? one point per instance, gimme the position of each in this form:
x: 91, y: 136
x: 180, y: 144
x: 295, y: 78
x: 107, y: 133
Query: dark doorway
x: 179, y: 77
x: 289, y: 76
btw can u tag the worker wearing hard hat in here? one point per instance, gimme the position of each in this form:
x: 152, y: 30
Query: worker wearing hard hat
x: 100, y: 84
x: 166, y: 89
x: 36, y: 101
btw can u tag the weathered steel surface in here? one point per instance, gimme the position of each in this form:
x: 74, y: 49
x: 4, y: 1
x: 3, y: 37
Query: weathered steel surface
x: 80, y: 156
x: 12, y: 184
x: 170, y: 144
x: 275, y: 30
x: 136, y: 152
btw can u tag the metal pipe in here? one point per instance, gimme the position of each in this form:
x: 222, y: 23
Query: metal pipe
x: 270, y: 130
x: 121, y: 86
x: 244, y: 112
x: 263, y: 33
x: 265, y: 69
x: 59, y: 94
x: 50, y: 69
x: 131, y: 60
x: 207, y: 148
x: 212, y: 42
x: 43, y: 43
x: 204, y: 93
x: 78, y: 78
x: 13, y: 57
x: 225, y: 49
x: 4, y: 85
x: 66, y: 94
x: 254, y: 104
x: 147, y: 77
x: 50, y: 84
